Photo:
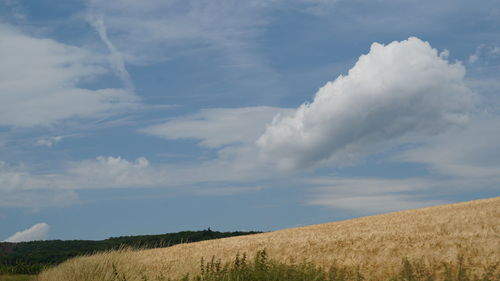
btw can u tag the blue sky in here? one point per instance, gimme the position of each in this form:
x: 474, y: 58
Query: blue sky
x: 139, y: 117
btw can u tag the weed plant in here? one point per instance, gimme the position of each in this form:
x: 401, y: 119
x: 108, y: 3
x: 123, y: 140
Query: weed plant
x: 263, y: 269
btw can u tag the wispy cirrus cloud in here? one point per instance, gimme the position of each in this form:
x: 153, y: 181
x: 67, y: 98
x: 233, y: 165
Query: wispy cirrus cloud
x: 167, y: 29
x: 469, y: 154
x: 220, y: 37
x: 216, y: 127
x: 485, y: 53
x: 116, y: 58
x: 161, y: 27
x: 40, y: 82
x: 372, y: 195
x: 49, y: 141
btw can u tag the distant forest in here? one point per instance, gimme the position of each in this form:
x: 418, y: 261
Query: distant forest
x: 32, y: 257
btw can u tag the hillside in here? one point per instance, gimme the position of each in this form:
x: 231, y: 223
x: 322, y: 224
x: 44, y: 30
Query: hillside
x: 29, y: 257
x: 376, y: 244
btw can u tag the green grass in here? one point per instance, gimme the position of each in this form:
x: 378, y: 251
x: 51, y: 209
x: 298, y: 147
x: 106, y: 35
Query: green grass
x: 16, y: 277
x: 263, y: 269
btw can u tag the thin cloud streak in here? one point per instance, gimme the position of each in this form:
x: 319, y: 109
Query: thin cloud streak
x: 116, y: 58
x: 373, y: 195
x: 216, y: 127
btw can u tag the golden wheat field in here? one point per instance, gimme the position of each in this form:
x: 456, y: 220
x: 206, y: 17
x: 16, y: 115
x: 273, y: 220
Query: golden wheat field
x: 376, y: 244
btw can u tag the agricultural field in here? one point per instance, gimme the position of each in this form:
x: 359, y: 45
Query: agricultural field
x: 450, y: 242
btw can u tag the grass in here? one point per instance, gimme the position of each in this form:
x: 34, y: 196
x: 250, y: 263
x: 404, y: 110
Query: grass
x: 429, y: 239
x: 261, y: 268
x: 16, y: 277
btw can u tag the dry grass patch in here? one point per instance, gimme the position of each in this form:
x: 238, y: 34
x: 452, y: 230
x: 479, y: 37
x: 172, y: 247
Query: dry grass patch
x: 16, y: 277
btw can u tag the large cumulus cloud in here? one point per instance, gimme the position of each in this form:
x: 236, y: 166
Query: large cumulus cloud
x: 395, y: 93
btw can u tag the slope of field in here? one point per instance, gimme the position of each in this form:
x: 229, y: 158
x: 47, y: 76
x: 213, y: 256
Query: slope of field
x: 31, y: 257
x: 376, y: 244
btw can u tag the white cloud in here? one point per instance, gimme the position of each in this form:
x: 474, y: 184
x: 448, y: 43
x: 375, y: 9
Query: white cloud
x: 394, y: 94
x: 49, y: 141
x: 216, y: 127
x: 486, y: 53
x: 21, y: 187
x: 373, y: 204
x: 149, y: 31
x: 40, y: 78
x: 17, y: 11
x: 232, y: 132
x: 227, y: 32
x: 473, y: 58
x: 116, y: 58
x: 101, y: 172
x: 472, y: 153
x: 167, y: 28
x: 38, y: 231
x: 15, y: 178
x: 459, y: 160
x: 105, y: 172
x: 37, y: 199
x: 372, y: 195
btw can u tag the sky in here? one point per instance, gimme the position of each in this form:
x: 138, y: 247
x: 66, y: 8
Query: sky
x: 143, y: 117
